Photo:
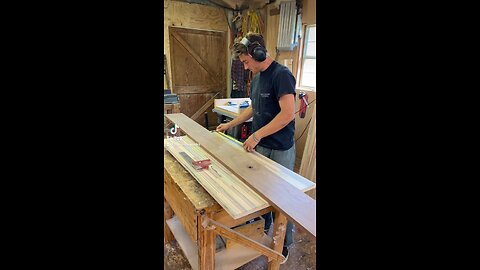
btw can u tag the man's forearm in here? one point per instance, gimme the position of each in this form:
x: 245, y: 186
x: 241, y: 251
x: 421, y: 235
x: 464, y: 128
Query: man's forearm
x: 244, y: 116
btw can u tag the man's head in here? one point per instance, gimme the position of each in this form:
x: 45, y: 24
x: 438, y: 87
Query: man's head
x: 251, y: 52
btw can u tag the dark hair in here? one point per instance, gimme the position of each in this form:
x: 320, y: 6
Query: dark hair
x: 239, y: 48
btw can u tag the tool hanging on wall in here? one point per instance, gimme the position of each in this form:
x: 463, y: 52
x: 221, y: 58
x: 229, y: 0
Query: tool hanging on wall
x: 303, y: 104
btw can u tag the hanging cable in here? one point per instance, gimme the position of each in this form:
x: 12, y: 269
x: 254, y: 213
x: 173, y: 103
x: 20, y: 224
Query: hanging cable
x: 303, y: 130
x: 307, y: 105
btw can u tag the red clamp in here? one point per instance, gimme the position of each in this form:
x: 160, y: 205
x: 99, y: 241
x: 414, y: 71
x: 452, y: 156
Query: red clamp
x: 201, y: 164
x: 303, y: 104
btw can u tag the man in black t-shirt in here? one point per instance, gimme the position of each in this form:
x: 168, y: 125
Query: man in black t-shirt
x: 272, y: 109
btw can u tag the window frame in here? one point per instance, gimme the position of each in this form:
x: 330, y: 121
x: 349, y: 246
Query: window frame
x: 303, y: 57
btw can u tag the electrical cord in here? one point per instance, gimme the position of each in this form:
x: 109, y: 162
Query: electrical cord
x: 303, y: 130
x: 307, y: 105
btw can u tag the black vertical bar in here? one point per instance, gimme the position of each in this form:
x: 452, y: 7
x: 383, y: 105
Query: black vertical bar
x: 206, y: 120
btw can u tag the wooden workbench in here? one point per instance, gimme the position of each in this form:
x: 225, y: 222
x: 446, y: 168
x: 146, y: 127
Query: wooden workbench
x: 187, y: 206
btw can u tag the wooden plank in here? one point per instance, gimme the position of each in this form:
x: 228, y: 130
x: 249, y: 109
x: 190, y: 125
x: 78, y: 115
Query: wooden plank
x: 226, y: 259
x: 195, y: 56
x: 297, y: 206
x: 308, y: 165
x: 294, y: 179
x: 230, y: 192
x: 241, y: 239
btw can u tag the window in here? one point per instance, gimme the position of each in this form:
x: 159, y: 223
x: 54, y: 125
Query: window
x: 308, y: 78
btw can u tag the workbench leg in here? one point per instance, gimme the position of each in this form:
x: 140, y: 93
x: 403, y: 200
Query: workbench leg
x: 167, y: 214
x: 206, y: 246
x: 279, y: 229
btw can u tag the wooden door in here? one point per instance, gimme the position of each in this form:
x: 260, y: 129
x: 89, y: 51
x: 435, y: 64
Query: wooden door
x: 198, y: 59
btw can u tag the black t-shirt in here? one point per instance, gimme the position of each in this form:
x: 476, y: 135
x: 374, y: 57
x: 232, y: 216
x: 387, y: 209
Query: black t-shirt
x: 267, y: 88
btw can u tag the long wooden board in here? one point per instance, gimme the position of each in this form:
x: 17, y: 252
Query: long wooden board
x: 295, y: 204
x: 231, y: 193
x: 296, y: 180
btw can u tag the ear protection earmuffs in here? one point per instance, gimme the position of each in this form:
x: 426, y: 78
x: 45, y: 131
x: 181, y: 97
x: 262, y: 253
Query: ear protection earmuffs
x: 257, y: 51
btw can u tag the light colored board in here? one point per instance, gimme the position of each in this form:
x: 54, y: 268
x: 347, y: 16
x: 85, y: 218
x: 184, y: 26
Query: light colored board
x: 230, y: 192
x: 308, y: 165
x: 189, y: 186
x: 226, y: 259
x: 294, y: 179
x: 296, y: 205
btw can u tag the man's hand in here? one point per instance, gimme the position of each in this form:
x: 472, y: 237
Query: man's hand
x: 250, y: 143
x: 223, y: 127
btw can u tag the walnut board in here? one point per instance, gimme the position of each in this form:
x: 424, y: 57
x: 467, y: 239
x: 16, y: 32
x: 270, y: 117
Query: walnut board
x: 294, y: 179
x: 295, y: 204
x: 230, y: 192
